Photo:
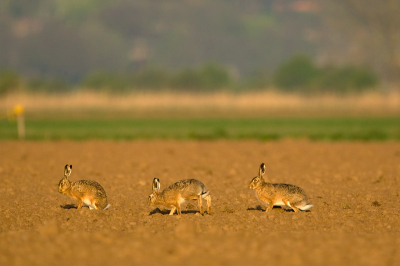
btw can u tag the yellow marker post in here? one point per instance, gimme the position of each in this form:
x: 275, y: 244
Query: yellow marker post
x: 18, y: 111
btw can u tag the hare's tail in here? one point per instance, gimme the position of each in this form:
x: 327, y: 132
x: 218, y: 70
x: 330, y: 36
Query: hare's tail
x: 205, y: 194
x: 108, y: 206
x: 307, y: 207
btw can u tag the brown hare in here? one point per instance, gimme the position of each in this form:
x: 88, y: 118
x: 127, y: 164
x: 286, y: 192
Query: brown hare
x: 178, y: 193
x: 87, y: 192
x: 279, y: 194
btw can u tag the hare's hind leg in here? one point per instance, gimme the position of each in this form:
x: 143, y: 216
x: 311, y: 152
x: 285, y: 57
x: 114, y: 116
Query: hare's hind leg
x: 287, y: 203
x: 295, y: 209
x: 208, y: 198
x: 200, y: 199
x: 101, y: 204
x: 178, y: 208
x: 91, y: 203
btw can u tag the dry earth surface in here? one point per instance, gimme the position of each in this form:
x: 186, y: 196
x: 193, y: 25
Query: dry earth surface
x: 353, y: 186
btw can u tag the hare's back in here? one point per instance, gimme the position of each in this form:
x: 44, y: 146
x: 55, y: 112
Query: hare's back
x: 290, y: 191
x: 89, y: 187
x: 189, y: 187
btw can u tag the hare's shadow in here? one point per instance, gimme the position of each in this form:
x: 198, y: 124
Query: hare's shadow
x: 259, y: 208
x: 166, y: 211
x: 69, y: 206
x: 287, y: 209
x: 72, y: 206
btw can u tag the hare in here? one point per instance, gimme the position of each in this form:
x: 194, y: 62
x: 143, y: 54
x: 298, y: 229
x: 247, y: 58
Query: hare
x: 87, y: 192
x: 178, y: 193
x: 279, y: 194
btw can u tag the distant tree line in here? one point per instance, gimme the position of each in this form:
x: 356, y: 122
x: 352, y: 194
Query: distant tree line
x: 208, y: 77
x: 301, y: 74
x: 298, y: 74
x: 367, y: 32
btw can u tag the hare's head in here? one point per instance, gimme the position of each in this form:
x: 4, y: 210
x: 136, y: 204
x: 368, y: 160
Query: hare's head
x: 65, y: 184
x: 156, y: 189
x: 258, y: 180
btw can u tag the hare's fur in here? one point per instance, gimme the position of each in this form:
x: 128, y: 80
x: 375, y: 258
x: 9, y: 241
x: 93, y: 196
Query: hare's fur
x: 88, y: 193
x: 178, y: 193
x: 271, y: 195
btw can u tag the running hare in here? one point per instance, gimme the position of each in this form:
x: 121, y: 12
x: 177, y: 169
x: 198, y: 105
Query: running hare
x: 87, y: 192
x: 278, y: 194
x: 178, y: 193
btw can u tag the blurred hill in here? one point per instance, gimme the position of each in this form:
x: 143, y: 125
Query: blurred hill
x: 70, y: 39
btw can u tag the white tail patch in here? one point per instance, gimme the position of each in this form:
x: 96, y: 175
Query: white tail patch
x: 108, y: 206
x: 307, y: 207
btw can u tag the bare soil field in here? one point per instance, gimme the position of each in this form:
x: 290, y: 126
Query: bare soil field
x: 352, y: 185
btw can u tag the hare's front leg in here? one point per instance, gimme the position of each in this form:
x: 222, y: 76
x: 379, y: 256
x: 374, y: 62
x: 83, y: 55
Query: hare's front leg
x: 172, y: 211
x: 80, y: 202
x: 208, y: 198
x: 201, y: 205
x: 269, y: 207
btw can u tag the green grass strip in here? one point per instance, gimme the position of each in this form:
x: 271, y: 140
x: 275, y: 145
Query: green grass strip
x: 208, y: 128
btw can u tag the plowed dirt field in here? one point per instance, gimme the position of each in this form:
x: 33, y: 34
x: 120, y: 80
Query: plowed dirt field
x: 354, y: 187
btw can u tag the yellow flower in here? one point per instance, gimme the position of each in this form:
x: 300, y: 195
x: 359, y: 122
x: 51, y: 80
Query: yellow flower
x: 18, y: 109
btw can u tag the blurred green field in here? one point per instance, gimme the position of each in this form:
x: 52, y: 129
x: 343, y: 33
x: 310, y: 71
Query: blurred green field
x: 208, y: 128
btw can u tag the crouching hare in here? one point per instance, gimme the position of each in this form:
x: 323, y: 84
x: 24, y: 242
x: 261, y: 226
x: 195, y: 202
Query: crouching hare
x: 279, y: 194
x: 87, y: 192
x: 178, y: 193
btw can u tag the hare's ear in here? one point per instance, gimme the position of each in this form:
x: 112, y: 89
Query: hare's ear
x: 262, y: 170
x: 67, y: 170
x: 156, y: 184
